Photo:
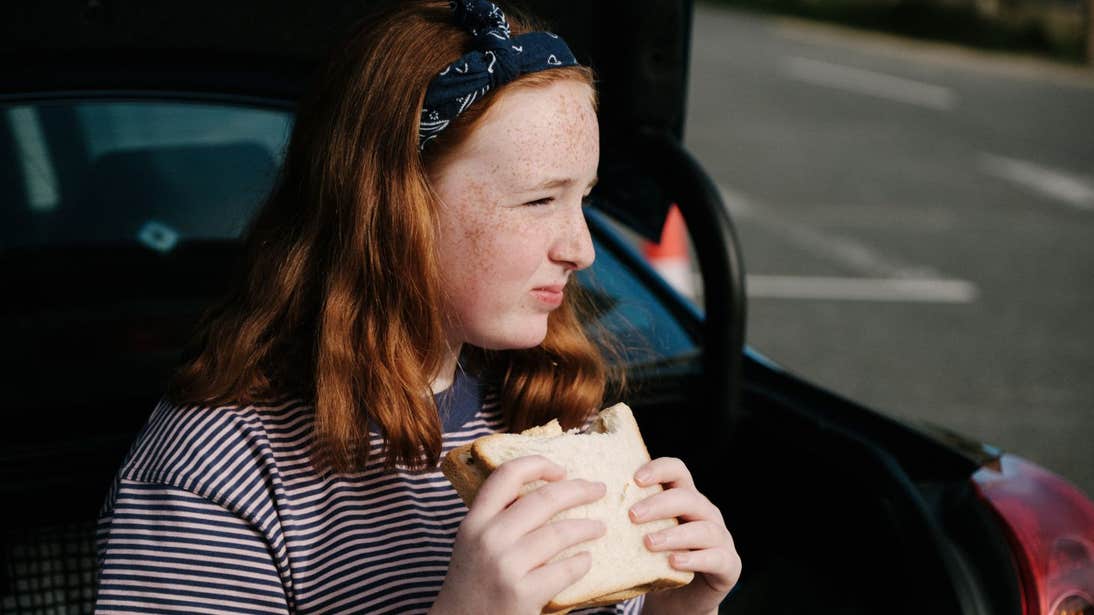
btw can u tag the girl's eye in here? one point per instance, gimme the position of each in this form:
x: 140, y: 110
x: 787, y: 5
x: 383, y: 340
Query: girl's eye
x: 585, y: 200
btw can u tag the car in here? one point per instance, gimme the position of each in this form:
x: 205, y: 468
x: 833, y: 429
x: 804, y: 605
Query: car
x: 136, y: 141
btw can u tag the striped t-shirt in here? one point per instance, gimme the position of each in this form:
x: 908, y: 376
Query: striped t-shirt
x: 218, y: 510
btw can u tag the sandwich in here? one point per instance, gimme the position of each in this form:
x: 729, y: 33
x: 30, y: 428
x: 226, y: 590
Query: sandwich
x: 610, y: 451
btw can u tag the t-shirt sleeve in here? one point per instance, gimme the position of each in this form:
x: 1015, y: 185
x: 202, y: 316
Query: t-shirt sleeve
x: 162, y: 549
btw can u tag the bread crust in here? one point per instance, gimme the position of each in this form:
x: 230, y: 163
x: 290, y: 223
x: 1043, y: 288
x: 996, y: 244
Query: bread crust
x: 553, y: 608
x: 464, y: 473
x: 613, y: 598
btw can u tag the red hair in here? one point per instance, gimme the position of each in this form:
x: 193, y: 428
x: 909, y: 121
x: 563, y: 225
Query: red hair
x: 337, y: 294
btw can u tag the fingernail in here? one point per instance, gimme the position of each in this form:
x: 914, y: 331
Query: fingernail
x: 655, y: 539
x: 680, y: 559
x: 642, y: 476
x: 637, y: 511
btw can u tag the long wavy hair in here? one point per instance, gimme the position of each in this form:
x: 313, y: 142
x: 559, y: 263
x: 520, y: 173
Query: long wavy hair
x: 337, y: 295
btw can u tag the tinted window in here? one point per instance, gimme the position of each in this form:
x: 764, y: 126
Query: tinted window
x: 148, y: 172
x: 639, y: 320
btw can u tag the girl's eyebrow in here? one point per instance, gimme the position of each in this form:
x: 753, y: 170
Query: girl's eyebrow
x: 561, y: 181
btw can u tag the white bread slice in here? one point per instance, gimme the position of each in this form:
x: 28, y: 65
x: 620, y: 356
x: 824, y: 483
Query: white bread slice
x: 610, y: 452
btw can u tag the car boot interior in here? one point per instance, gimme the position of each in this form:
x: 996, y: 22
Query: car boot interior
x: 827, y: 522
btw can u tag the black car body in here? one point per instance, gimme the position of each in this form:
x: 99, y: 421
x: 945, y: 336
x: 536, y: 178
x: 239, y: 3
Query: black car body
x: 835, y: 508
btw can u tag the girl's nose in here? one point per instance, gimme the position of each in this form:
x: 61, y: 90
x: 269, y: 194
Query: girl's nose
x: 574, y: 245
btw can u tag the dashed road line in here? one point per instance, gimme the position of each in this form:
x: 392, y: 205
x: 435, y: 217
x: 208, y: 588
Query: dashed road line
x: 841, y: 250
x: 869, y: 83
x: 1064, y: 187
x: 860, y: 289
x: 883, y: 278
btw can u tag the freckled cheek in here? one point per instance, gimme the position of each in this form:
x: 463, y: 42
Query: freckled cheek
x: 498, y: 266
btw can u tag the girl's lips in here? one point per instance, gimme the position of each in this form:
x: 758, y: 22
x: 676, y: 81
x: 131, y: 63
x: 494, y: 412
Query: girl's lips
x: 549, y: 295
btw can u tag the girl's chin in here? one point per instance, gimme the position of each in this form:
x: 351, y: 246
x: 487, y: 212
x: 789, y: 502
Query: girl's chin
x: 529, y: 337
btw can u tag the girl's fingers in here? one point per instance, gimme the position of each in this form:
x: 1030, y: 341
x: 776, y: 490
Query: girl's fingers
x: 539, y: 506
x: 721, y: 567
x: 664, y: 470
x: 542, y: 544
x: 707, y: 560
x: 502, y: 487
x: 549, y: 580
x: 686, y: 504
x: 694, y: 535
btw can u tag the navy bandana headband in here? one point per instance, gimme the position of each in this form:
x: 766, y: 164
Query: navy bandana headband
x: 496, y: 59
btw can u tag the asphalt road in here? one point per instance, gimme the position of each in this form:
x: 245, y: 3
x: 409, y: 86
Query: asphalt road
x: 917, y: 223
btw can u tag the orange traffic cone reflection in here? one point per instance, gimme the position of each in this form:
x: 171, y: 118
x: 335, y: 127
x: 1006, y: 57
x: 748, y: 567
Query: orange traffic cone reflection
x: 670, y: 256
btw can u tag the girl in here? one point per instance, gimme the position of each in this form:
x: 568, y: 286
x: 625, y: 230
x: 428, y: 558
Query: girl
x: 406, y: 289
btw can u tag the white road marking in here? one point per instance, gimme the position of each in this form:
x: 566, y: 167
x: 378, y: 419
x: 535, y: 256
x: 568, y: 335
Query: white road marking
x: 860, y: 289
x: 883, y: 278
x: 845, y: 251
x: 1066, y: 188
x: 870, y: 83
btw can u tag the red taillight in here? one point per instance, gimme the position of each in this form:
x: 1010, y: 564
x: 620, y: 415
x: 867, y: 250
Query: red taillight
x: 1050, y: 525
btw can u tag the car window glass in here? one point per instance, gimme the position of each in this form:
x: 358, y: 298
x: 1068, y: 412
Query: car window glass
x: 149, y: 172
x: 644, y: 329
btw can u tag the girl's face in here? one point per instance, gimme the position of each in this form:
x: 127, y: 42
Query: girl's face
x: 512, y: 229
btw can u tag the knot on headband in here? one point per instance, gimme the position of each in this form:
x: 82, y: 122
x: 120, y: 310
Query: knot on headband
x: 495, y: 59
x: 480, y: 18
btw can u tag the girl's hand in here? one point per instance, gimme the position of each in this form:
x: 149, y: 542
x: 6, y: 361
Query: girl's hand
x: 499, y: 557
x: 702, y: 530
